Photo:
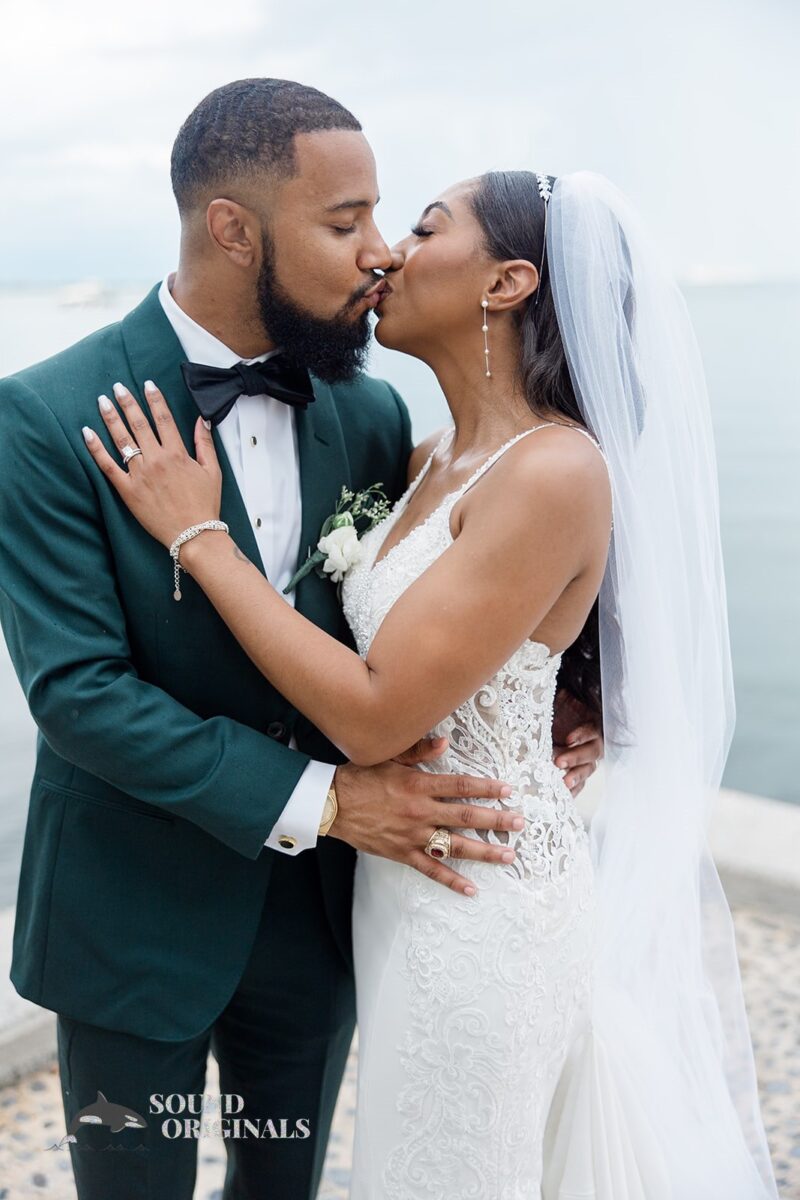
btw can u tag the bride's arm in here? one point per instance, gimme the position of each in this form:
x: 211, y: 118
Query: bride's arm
x: 449, y: 632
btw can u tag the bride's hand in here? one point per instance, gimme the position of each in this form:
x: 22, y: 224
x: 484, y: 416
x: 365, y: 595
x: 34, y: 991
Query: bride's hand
x: 164, y: 487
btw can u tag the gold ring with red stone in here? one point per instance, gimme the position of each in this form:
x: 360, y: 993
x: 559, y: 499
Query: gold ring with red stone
x: 438, y: 844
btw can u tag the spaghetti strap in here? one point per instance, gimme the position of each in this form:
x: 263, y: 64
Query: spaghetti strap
x: 592, y: 439
x: 492, y: 459
x: 412, y: 487
x: 507, y: 445
x: 453, y: 497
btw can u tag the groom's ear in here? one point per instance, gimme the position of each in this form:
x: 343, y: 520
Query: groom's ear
x: 515, y: 281
x: 235, y: 230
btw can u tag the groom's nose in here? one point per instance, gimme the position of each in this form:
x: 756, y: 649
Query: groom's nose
x: 375, y: 254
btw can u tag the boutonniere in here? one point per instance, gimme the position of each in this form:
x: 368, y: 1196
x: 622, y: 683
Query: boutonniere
x: 339, y: 547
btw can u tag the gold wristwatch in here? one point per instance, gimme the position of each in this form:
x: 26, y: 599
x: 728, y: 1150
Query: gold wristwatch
x: 329, y: 811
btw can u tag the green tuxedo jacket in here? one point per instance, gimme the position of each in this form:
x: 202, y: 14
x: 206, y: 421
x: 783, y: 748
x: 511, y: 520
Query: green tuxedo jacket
x: 162, y: 757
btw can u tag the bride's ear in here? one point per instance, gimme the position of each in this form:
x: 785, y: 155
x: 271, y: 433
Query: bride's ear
x: 514, y: 282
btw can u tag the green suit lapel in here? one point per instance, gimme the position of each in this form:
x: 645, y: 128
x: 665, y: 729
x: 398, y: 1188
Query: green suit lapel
x: 154, y: 352
x: 324, y: 470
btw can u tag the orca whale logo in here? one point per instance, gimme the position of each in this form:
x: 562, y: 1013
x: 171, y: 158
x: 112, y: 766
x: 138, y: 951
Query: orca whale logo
x: 102, y: 1112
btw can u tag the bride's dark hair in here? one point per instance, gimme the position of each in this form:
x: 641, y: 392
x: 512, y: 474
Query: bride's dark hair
x: 510, y: 212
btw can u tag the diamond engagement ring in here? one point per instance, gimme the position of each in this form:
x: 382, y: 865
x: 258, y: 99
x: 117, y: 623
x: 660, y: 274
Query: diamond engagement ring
x: 438, y: 844
x: 129, y: 452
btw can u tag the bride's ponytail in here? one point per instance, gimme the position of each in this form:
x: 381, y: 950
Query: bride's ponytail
x: 511, y: 215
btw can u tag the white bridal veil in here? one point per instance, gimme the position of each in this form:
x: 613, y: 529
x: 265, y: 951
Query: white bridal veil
x: 658, y: 1098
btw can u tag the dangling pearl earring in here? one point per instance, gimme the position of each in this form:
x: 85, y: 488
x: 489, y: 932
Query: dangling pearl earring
x: 485, y: 329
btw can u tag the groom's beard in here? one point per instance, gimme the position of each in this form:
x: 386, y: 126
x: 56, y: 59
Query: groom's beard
x: 334, y: 349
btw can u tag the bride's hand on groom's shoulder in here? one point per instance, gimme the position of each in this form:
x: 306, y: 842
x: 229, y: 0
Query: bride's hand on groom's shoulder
x: 577, y: 740
x: 392, y: 809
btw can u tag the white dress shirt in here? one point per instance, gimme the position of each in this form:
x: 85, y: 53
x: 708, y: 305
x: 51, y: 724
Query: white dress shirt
x: 260, y: 440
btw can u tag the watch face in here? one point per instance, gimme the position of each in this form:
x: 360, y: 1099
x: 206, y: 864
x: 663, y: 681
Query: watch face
x: 328, y: 812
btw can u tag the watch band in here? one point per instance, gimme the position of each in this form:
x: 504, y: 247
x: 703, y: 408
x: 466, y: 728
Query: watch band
x: 329, y: 811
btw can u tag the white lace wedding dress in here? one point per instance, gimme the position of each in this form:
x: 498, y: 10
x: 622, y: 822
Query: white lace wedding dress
x: 467, y: 1006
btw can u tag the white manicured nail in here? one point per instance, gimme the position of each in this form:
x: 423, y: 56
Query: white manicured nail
x: 206, y: 423
x: 120, y: 390
x: 105, y: 404
x: 149, y: 386
x: 88, y: 436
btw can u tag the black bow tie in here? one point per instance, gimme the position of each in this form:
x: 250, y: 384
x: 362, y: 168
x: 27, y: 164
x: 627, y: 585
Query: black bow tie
x: 216, y: 389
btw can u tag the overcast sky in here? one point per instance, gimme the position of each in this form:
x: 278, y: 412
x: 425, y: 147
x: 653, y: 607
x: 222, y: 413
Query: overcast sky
x: 690, y: 107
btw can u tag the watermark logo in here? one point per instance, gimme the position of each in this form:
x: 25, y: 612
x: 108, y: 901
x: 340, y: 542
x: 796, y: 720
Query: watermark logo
x: 185, y: 1116
x: 115, y: 1117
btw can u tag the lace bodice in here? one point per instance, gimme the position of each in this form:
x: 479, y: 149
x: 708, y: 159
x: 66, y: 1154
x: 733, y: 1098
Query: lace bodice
x: 504, y: 731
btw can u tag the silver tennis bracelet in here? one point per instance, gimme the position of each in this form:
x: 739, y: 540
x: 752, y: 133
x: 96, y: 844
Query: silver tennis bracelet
x: 181, y: 539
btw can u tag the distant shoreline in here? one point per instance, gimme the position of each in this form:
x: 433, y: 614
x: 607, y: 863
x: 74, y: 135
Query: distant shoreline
x: 124, y: 285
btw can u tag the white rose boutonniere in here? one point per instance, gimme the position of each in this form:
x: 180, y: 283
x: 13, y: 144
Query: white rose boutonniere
x: 339, y: 547
x: 342, y: 548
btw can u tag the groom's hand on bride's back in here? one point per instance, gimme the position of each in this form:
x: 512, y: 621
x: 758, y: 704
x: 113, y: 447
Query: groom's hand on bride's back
x: 392, y: 809
x: 577, y: 740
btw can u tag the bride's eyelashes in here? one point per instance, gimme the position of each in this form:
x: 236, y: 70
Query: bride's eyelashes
x: 421, y: 231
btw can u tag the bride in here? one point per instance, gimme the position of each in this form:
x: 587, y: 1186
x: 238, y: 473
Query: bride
x: 572, y: 1025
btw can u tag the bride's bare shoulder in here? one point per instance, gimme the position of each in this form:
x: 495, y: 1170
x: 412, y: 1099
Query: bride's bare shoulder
x: 559, y: 452
x: 421, y: 453
x: 557, y: 466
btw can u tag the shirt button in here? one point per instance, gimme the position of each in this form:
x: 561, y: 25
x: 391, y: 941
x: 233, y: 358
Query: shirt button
x: 276, y: 729
x: 258, y: 522
x: 254, y: 441
x: 286, y: 842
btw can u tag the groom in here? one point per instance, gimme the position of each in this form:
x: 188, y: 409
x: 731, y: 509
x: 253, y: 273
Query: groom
x: 165, y: 907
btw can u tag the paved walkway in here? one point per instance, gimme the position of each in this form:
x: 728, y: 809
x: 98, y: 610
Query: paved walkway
x: 768, y: 936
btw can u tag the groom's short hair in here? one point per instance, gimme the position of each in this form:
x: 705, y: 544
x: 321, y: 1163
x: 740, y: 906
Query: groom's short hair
x: 247, y: 127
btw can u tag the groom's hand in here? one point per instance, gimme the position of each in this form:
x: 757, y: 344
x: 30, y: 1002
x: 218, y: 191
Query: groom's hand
x: 392, y: 809
x: 577, y: 740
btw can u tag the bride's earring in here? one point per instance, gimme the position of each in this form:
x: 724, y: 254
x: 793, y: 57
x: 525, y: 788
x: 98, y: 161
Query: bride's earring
x: 485, y: 329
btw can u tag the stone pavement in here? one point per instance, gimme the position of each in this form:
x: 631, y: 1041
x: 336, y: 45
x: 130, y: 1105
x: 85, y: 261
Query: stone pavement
x: 767, y: 921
